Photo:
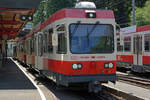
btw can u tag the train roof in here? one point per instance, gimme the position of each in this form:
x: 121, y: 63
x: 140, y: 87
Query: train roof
x: 69, y: 13
x: 132, y: 30
x: 77, y: 13
x: 143, y: 28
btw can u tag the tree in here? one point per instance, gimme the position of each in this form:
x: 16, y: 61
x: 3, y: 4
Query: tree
x: 122, y: 8
x: 142, y: 16
x: 48, y: 7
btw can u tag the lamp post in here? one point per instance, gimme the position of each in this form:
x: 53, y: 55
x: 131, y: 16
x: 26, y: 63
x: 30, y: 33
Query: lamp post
x: 133, y: 12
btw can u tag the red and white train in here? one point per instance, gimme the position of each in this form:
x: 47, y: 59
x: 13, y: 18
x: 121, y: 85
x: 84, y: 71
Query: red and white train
x: 134, y: 50
x: 73, y: 46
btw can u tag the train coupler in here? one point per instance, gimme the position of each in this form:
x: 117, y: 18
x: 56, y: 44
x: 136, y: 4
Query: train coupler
x: 94, y: 86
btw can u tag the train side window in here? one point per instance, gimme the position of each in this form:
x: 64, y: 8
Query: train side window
x: 32, y: 45
x: 28, y: 47
x: 35, y: 45
x: 23, y: 46
x: 127, y: 46
x: 119, y: 47
x: 147, y: 45
x: 50, y: 46
x: 40, y: 45
x: 45, y: 43
x: 62, y: 47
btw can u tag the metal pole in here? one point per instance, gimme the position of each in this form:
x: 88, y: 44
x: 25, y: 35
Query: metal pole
x: 133, y: 12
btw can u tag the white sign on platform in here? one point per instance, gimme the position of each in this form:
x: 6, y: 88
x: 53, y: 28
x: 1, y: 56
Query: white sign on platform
x: 128, y: 29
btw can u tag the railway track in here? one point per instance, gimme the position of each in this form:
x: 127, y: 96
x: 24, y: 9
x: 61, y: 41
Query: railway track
x: 144, y: 83
x: 79, y: 95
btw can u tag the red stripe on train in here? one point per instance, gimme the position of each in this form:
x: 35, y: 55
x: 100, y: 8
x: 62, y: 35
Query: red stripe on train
x: 88, y: 67
x: 25, y: 58
x: 125, y: 58
x: 146, y: 59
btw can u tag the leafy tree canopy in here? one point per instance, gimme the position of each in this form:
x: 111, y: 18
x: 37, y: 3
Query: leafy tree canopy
x: 122, y: 9
x: 142, y: 16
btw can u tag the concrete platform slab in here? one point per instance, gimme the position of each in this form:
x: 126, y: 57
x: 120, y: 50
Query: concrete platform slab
x: 130, y: 89
x: 14, y: 85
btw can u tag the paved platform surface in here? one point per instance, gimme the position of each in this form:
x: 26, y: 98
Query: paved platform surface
x: 130, y: 89
x: 14, y: 85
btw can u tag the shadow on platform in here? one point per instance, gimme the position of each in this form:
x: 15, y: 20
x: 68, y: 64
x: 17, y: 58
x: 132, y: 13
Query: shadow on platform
x: 12, y: 78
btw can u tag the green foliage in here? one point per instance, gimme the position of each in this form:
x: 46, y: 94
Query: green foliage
x: 142, y: 16
x: 48, y: 7
x: 122, y: 9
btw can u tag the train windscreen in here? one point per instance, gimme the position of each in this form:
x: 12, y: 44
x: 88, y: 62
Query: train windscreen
x: 91, y: 38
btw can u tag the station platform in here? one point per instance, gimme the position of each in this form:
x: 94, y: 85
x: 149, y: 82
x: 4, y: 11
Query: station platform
x: 14, y: 85
x: 132, y: 90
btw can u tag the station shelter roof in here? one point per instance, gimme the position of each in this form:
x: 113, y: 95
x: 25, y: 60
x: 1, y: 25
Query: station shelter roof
x: 10, y: 16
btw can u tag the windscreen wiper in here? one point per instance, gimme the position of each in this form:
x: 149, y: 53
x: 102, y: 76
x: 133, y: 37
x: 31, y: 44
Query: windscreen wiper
x: 76, y: 27
x: 90, y: 32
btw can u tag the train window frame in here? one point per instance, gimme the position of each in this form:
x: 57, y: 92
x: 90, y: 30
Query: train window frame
x: 119, y: 46
x: 28, y: 47
x: 127, y: 44
x: 62, y: 46
x: 113, y: 43
x: 147, y: 40
x: 137, y: 44
x: 44, y: 42
x: 49, y: 45
x: 124, y: 48
x: 40, y: 45
x: 32, y: 46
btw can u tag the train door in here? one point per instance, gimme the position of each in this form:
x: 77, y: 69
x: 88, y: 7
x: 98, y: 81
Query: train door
x: 36, y: 51
x: 137, y: 49
x: 39, y: 52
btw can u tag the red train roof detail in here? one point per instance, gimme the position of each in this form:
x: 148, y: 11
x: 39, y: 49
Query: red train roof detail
x: 143, y: 28
x: 76, y: 13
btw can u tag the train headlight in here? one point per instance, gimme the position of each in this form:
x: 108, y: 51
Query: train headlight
x: 108, y: 65
x: 79, y: 66
x: 111, y: 65
x: 76, y: 66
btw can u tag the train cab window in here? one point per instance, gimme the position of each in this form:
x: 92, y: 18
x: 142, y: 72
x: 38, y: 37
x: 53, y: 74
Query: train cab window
x: 50, y: 46
x: 61, y: 27
x: 147, y: 45
x: 62, y: 48
x: 127, y: 44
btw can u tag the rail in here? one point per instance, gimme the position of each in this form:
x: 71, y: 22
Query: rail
x: 144, y: 83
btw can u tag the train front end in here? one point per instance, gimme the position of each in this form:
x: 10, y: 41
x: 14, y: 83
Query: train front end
x: 87, y: 48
